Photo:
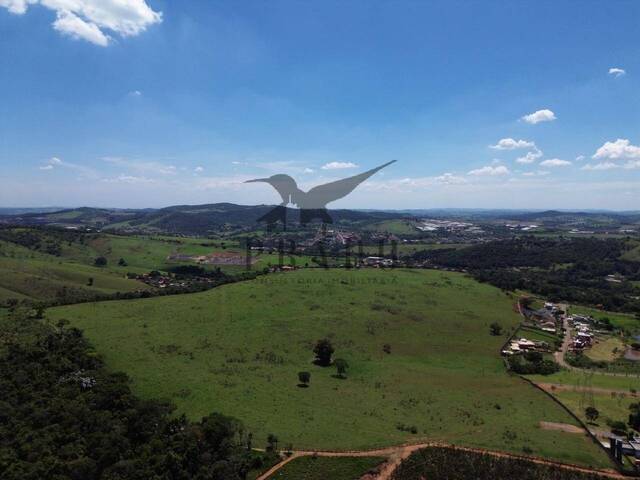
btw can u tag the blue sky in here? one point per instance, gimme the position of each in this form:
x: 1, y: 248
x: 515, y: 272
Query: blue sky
x: 144, y: 104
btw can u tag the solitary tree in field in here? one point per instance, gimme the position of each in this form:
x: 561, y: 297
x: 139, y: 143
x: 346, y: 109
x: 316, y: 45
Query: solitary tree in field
x: 272, y: 443
x: 323, y: 350
x: 100, y: 262
x: 341, y: 366
x: 122, y: 262
x: 90, y: 282
x: 591, y: 413
x: 39, y: 310
x: 495, y: 328
x: 304, y: 378
x: 12, y: 303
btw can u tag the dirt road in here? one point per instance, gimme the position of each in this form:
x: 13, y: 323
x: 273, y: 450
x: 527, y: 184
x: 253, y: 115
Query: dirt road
x: 395, y: 455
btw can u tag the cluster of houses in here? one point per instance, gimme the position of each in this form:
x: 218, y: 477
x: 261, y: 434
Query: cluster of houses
x: 522, y: 345
x: 583, y: 336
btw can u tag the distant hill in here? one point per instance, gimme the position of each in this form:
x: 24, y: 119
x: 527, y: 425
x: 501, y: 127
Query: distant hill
x: 186, y: 219
x: 201, y: 219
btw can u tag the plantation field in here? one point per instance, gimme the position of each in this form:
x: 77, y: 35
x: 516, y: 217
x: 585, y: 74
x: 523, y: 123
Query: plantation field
x: 323, y: 468
x: 238, y: 349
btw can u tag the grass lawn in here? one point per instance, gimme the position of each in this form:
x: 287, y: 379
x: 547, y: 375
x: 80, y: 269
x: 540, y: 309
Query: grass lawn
x: 576, y: 378
x: 238, y: 349
x: 323, y: 468
x: 538, y: 335
x: 44, y: 278
x: 611, y: 407
x: 606, y: 349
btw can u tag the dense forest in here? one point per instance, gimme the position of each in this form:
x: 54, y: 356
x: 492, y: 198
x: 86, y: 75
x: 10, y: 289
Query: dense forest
x: 569, y: 269
x: 454, y: 464
x: 64, y: 416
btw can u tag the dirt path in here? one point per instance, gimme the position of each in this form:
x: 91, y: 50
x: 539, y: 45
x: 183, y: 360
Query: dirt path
x: 559, y: 356
x: 395, y: 455
x: 563, y: 387
x: 562, y: 427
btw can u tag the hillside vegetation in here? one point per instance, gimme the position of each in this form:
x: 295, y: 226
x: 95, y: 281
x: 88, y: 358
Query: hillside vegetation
x: 569, y: 269
x: 422, y: 364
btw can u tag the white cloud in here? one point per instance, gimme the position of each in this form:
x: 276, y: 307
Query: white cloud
x: 539, y: 173
x: 621, y: 148
x: 544, y: 115
x: 512, y: 144
x: 338, y: 165
x: 88, y: 19
x: 17, y: 7
x: 580, y: 158
x: 601, y: 166
x: 450, y: 179
x: 142, y: 166
x: 128, y: 179
x: 55, y: 163
x: 308, y: 170
x: 135, y: 93
x: 617, y: 72
x: 530, y: 157
x: 70, y: 24
x: 490, y: 171
x: 630, y: 165
x: 198, y: 169
x: 555, y: 162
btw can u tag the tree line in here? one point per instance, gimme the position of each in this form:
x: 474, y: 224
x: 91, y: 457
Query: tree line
x: 63, y: 416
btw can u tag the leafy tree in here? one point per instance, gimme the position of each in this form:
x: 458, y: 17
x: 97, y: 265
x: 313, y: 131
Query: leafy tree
x: 341, y: 366
x: 304, y: 378
x: 534, y: 357
x: 495, y: 328
x: 100, y: 262
x: 591, y: 413
x: 39, y: 310
x: 122, y: 262
x: 634, y: 416
x: 12, y: 303
x: 323, y: 350
x: 90, y: 425
x: 90, y: 282
x: 272, y: 443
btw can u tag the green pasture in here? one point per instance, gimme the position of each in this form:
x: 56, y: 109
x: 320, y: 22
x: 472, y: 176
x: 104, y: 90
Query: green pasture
x: 611, y: 406
x: 238, y: 349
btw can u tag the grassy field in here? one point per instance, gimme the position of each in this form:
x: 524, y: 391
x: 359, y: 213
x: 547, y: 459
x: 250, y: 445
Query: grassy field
x: 606, y: 349
x: 611, y: 407
x: 238, y: 349
x: 27, y: 273
x: 43, y: 279
x: 323, y: 468
x: 581, y: 379
x: 398, y: 227
x: 538, y: 335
